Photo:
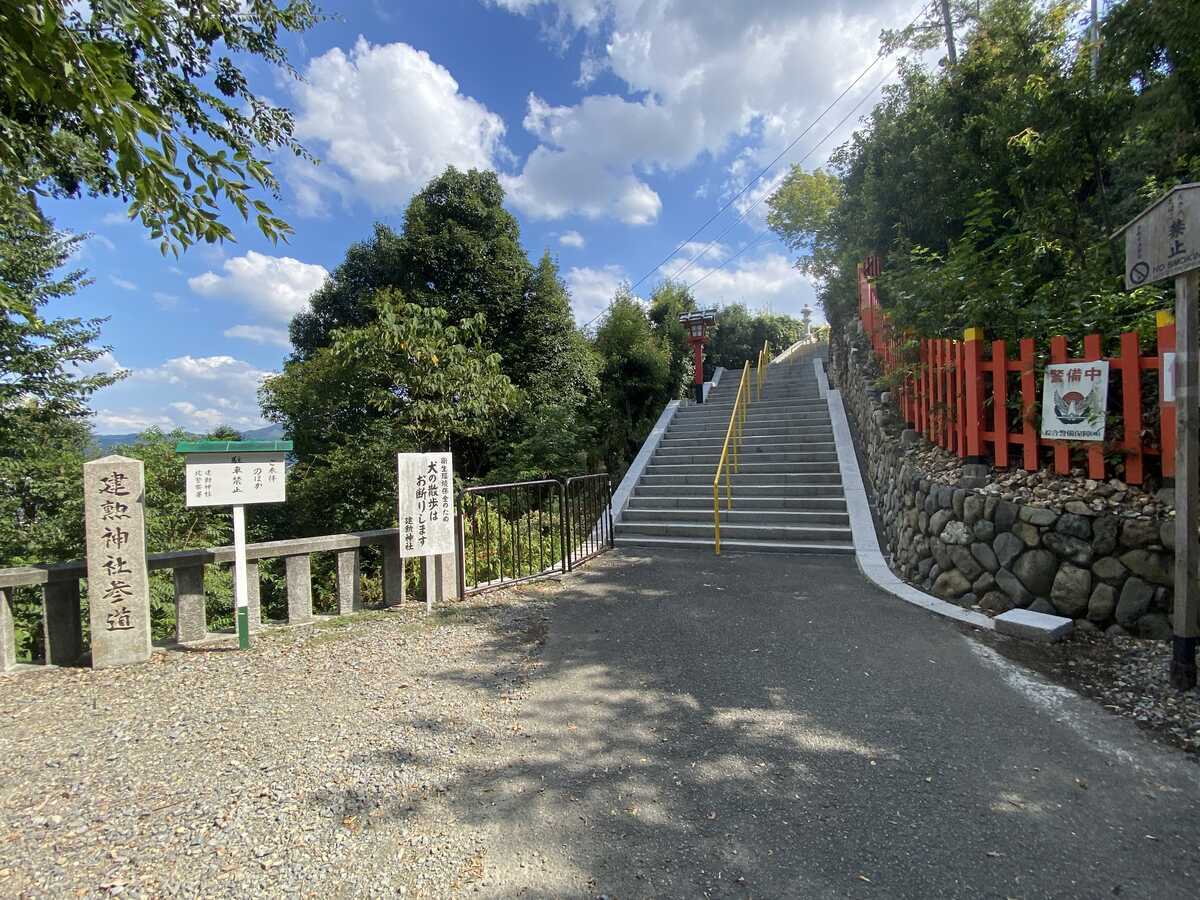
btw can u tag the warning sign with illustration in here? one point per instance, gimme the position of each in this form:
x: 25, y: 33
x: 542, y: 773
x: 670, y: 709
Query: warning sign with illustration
x: 1074, y: 401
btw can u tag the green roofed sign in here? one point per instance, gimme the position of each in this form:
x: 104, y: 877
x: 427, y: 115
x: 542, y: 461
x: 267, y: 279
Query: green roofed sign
x: 232, y: 473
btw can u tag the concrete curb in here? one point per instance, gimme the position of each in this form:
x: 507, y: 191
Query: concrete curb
x: 790, y: 351
x: 625, y: 489
x: 871, y: 561
x: 710, y: 386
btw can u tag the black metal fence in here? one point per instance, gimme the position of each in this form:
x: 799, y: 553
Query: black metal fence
x: 510, y: 533
x: 589, y: 517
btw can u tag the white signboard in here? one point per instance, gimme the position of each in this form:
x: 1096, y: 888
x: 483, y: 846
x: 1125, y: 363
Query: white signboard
x: 1164, y: 241
x: 233, y: 479
x: 1074, y: 401
x: 426, y: 503
x: 1168, y: 378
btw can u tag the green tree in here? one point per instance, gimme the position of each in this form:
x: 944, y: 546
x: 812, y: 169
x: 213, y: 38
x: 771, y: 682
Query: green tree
x: 143, y: 101
x: 551, y: 433
x: 45, y: 385
x: 407, y: 381
x: 739, y: 336
x: 460, y: 251
x: 668, y: 301
x: 635, y: 380
x: 992, y: 187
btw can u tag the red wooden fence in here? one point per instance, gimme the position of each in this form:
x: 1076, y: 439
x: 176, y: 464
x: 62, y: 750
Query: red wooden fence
x: 958, y: 393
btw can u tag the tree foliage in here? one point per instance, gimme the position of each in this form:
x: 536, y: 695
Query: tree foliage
x: 992, y: 188
x: 408, y: 381
x: 144, y: 101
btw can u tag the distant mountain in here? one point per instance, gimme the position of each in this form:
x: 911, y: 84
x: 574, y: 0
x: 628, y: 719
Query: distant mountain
x: 267, y: 433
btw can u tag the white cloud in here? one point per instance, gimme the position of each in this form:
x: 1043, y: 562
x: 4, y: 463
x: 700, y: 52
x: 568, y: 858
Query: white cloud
x: 571, y: 239
x: 116, y: 218
x: 196, y: 393
x: 101, y: 241
x: 123, y: 283
x: 706, y: 78
x: 276, y: 286
x: 385, y: 119
x: 593, y: 289
x: 165, y: 300
x: 767, y: 283
x: 277, y: 337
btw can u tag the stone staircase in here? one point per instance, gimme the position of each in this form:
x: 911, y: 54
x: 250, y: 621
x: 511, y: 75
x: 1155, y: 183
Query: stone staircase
x: 787, y: 496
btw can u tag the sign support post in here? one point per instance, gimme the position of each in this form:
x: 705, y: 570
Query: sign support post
x: 236, y: 473
x: 241, y: 586
x: 1164, y: 242
x: 1187, y: 482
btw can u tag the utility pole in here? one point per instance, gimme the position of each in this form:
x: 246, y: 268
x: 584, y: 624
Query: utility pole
x: 951, y: 53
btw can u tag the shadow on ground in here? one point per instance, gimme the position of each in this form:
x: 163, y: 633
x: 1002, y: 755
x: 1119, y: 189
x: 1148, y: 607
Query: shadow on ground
x: 775, y: 727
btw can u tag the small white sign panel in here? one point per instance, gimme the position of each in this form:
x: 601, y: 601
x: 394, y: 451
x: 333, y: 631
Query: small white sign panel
x: 1164, y: 241
x: 1075, y: 401
x: 426, y: 503
x: 1168, y: 378
x: 233, y: 479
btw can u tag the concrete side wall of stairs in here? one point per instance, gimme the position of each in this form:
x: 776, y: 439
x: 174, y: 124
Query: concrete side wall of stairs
x: 787, y: 494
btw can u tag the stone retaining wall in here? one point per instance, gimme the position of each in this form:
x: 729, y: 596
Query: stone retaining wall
x: 964, y: 543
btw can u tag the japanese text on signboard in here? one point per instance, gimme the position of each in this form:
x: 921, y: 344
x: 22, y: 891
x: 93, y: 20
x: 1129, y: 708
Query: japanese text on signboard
x: 1074, y: 401
x: 229, y: 479
x: 426, y: 487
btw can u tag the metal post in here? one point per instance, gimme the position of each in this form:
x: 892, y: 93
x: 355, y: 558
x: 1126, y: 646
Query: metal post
x: 241, y: 590
x: 1187, y: 481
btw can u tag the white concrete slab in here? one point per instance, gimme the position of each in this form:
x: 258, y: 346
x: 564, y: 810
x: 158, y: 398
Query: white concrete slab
x: 625, y: 489
x: 822, y: 378
x: 871, y: 560
x: 1033, y: 626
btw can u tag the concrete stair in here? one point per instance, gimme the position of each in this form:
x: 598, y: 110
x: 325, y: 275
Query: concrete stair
x: 787, y: 493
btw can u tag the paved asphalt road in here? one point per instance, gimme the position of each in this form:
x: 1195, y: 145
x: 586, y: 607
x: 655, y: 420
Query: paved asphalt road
x: 772, y: 726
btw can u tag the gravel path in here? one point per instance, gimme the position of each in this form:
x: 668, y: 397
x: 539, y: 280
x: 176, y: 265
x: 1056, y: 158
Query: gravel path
x: 322, y: 763
x: 676, y: 726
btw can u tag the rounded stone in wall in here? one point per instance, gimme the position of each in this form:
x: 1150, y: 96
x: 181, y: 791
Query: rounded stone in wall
x: 1102, y: 604
x: 1036, y: 570
x: 1071, y: 590
x: 956, y: 533
x: 1008, y: 547
x: 1134, y: 601
x: 1074, y: 526
x: 1065, y: 546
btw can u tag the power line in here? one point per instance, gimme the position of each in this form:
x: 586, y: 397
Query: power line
x: 861, y: 75
x: 863, y: 99
x: 764, y: 171
x: 731, y: 258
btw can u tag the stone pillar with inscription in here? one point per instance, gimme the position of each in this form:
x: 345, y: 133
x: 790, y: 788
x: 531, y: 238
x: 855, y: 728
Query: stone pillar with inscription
x: 118, y: 583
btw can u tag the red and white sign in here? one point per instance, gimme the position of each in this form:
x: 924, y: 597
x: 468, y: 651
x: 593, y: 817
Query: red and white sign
x: 1075, y: 401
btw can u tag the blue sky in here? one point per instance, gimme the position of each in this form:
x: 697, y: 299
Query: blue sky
x: 617, y: 126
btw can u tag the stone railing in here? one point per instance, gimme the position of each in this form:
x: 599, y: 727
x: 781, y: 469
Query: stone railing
x: 60, y: 584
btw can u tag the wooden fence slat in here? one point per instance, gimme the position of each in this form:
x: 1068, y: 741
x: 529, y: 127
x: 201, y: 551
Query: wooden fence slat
x: 1093, y: 349
x: 1028, y: 404
x: 1062, y: 454
x: 1130, y: 365
x: 960, y: 367
x: 1000, y: 402
x: 973, y: 409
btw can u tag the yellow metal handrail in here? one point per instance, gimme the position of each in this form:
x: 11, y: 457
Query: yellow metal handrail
x: 730, y: 460
x: 733, y: 440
